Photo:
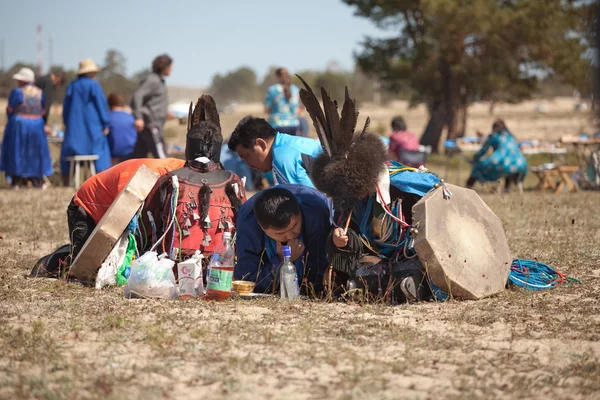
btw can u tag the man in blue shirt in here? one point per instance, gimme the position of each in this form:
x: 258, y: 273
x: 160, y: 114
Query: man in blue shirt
x: 295, y: 215
x: 265, y: 149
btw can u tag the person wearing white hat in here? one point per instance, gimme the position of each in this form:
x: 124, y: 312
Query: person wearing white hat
x: 85, y: 114
x: 25, y: 153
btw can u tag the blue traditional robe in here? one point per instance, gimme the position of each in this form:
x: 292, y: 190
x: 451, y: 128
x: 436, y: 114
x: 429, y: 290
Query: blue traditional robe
x: 25, y: 152
x: 85, y: 113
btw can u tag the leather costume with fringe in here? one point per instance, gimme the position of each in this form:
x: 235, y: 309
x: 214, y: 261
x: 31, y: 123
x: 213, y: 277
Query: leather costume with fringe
x: 372, y: 197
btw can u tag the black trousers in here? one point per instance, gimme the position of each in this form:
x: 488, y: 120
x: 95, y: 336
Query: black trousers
x: 513, y: 179
x: 150, y: 140
x: 81, y: 227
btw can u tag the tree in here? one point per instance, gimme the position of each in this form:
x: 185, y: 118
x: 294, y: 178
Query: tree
x: 238, y: 85
x: 139, y: 76
x: 115, y: 63
x: 450, y: 52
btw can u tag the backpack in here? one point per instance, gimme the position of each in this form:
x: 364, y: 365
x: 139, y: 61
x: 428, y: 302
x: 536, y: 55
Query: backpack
x: 205, y: 208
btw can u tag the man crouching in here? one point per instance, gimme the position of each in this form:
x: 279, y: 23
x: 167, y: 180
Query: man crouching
x: 293, y: 215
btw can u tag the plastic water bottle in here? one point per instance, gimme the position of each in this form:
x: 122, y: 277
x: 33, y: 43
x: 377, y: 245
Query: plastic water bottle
x: 288, y: 276
x: 220, y: 271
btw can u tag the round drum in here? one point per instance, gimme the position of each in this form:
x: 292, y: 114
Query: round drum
x: 461, y: 243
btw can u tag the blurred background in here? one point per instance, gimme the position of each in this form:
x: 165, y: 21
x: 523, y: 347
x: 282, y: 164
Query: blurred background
x: 449, y: 67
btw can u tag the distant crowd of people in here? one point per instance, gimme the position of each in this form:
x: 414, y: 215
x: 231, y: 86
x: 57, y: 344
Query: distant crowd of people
x: 101, y: 126
x: 94, y: 125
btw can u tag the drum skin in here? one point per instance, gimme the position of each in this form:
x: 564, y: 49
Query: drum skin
x: 461, y: 243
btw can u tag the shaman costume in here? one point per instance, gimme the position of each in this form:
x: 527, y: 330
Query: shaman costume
x: 372, y: 198
x: 194, y: 213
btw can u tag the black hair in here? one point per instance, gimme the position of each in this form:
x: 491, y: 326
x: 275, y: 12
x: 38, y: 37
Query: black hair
x: 275, y: 208
x: 161, y: 62
x: 283, y: 74
x: 248, y: 130
x: 499, y: 126
x: 115, y: 100
x: 398, y: 124
x: 204, y: 140
x: 60, y: 74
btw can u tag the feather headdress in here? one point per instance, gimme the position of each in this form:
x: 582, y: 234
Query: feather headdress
x: 204, y: 138
x: 349, y: 167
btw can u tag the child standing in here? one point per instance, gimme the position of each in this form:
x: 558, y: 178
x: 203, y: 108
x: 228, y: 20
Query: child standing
x: 122, y: 135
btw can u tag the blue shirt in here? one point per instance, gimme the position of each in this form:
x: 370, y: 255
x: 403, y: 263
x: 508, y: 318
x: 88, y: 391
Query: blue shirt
x: 122, y: 134
x: 287, y: 151
x: 257, y: 261
x: 282, y: 112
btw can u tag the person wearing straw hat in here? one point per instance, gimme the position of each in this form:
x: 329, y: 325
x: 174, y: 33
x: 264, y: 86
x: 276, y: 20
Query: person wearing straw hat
x: 85, y: 114
x: 25, y: 153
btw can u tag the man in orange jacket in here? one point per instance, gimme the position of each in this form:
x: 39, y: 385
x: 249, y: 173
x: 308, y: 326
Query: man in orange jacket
x: 96, y: 195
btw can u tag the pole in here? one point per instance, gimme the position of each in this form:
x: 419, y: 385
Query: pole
x: 40, y: 54
x: 2, y: 55
x: 51, y: 51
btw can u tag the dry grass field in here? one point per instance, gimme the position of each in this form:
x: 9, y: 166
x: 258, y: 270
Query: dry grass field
x: 64, y: 341
x: 60, y: 340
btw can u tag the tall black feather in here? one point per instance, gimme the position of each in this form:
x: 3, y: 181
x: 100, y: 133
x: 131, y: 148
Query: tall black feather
x: 366, y: 128
x: 333, y: 121
x: 189, y: 121
x: 311, y: 103
x: 349, y: 119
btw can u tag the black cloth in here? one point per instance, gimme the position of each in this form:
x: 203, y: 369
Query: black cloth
x: 81, y: 226
x: 290, y: 130
x: 45, y: 83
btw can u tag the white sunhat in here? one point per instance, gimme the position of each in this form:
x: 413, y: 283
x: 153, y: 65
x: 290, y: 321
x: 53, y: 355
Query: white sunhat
x: 87, y: 66
x: 25, y: 75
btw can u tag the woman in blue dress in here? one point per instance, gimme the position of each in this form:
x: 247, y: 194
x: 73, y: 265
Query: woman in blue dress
x: 25, y: 153
x: 85, y: 114
x: 505, y: 162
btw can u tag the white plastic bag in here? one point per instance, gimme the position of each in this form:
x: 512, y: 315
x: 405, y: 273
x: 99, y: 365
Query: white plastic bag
x: 110, y: 266
x: 152, y: 276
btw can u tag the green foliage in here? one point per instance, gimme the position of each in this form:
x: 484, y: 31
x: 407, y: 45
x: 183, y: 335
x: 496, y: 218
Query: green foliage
x: 451, y: 52
x: 237, y: 85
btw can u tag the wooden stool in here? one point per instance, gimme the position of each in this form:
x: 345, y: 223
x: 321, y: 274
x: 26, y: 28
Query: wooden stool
x: 75, y: 164
x: 564, y: 172
x: 546, y: 178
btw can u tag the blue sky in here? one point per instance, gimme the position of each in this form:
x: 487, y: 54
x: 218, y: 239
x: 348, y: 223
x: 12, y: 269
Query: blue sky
x: 204, y: 37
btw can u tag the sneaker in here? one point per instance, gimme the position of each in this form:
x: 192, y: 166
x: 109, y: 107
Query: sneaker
x: 409, y: 288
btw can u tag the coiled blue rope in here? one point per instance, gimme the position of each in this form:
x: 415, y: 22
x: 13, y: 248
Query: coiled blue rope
x: 534, y: 275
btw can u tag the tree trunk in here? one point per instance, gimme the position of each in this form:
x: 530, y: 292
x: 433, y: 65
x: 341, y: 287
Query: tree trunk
x: 433, y: 132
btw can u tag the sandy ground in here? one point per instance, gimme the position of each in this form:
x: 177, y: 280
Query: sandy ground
x: 64, y: 341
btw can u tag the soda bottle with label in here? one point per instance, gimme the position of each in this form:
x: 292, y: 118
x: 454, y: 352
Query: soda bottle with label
x: 220, y: 271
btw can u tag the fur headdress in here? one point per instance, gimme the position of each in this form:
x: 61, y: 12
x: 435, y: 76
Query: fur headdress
x: 349, y: 167
x: 204, y: 138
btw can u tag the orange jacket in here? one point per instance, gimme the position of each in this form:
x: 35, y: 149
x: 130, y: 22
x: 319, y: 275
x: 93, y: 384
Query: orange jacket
x: 97, y: 193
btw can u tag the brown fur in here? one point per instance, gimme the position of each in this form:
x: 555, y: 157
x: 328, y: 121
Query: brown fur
x: 354, y: 175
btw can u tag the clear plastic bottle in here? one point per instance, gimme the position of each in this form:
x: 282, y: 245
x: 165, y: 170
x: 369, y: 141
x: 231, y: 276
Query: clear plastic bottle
x: 219, y: 274
x: 289, y: 278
